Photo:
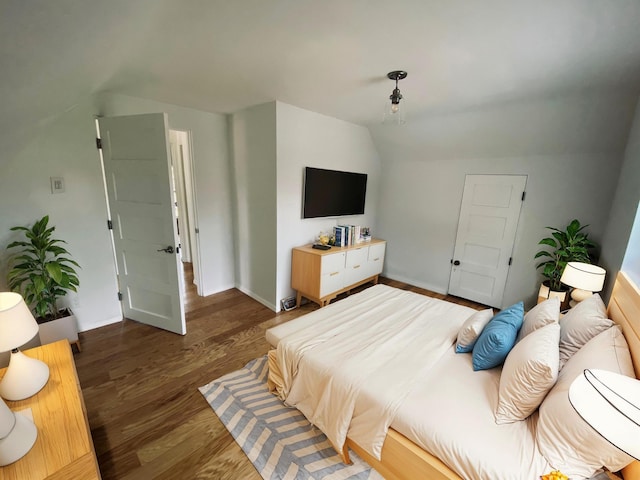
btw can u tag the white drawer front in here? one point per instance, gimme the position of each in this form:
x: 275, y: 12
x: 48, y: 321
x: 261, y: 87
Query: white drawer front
x: 376, y: 252
x: 332, y: 263
x: 331, y: 282
x: 357, y: 256
x: 356, y: 273
x: 376, y: 259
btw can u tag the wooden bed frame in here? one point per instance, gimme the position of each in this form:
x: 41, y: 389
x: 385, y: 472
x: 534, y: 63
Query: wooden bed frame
x: 402, y: 459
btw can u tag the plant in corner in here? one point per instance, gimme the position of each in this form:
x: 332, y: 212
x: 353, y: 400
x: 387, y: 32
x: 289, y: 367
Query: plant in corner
x: 568, y: 245
x: 42, y: 271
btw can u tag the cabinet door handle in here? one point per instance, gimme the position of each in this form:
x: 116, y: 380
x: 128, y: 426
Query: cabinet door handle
x: 333, y: 274
x: 356, y: 266
x: 376, y: 259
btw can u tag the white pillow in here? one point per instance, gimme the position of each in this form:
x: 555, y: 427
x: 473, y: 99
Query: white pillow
x: 542, y: 314
x: 567, y: 442
x: 529, y: 372
x: 471, y: 329
x: 583, y: 322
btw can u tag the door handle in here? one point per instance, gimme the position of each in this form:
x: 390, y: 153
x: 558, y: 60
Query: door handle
x: 456, y: 262
x: 169, y: 249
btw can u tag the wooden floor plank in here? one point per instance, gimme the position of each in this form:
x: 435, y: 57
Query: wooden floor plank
x: 140, y: 384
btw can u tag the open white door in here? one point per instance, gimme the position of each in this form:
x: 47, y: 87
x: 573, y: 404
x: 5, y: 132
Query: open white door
x: 135, y: 151
x: 486, y: 233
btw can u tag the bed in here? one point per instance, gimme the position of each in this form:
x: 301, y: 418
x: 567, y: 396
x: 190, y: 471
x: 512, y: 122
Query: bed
x: 405, y: 455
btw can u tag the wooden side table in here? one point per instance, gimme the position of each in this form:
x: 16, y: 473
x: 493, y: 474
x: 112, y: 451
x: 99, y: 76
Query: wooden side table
x: 64, y: 448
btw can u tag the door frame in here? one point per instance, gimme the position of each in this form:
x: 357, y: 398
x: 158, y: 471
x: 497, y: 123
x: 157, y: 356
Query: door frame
x: 191, y: 196
x: 515, y: 232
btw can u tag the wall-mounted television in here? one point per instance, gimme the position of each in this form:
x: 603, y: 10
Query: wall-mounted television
x: 332, y: 193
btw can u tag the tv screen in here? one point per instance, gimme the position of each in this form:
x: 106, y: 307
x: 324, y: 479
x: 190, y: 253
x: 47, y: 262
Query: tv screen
x: 331, y: 193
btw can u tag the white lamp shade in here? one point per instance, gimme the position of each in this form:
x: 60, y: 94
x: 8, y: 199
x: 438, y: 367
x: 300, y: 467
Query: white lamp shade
x: 584, y: 276
x: 610, y: 403
x: 17, y: 325
x: 17, y: 435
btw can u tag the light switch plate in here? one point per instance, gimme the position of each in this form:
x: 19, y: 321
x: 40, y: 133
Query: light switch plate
x: 57, y: 184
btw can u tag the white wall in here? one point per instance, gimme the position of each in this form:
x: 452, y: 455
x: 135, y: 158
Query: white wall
x: 253, y: 133
x: 63, y: 146
x: 309, y: 139
x: 619, y: 237
x: 570, y: 148
x: 212, y: 181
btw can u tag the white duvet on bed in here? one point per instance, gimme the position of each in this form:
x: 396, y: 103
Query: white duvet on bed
x: 450, y: 414
x: 448, y: 409
x: 338, y: 372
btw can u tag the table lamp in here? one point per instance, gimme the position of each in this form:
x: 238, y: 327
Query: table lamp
x: 584, y: 278
x: 25, y: 376
x: 608, y: 402
x: 17, y: 435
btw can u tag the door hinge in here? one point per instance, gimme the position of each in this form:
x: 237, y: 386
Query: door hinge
x: 524, y: 194
x: 510, y: 260
x: 109, y: 224
x: 99, y: 143
x: 120, y: 296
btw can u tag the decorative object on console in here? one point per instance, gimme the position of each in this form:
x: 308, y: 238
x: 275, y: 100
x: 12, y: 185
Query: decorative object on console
x: 584, y: 278
x: 608, y: 402
x: 17, y: 435
x: 25, y: 376
x: 323, y: 238
x: 393, y: 114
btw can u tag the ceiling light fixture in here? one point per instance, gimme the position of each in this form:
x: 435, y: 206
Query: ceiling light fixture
x: 393, y: 114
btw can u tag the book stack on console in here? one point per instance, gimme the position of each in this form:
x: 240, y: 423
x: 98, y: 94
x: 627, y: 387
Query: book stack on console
x: 339, y: 233
x: 346, y: 235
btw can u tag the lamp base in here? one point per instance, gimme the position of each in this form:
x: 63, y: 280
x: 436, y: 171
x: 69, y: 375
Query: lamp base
x: 578, y: 295
x: 19, y: 441
x: 25, y: 377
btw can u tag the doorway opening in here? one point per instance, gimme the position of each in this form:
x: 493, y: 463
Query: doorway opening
x: 184, y: 194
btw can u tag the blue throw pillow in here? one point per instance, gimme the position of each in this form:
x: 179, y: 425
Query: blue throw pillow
x: 498, y: 338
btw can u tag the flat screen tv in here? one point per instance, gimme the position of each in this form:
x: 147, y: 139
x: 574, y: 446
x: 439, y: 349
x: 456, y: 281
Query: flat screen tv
x: 332, y: 193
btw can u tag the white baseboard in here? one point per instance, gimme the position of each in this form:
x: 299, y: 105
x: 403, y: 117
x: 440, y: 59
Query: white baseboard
x: 102, y: 323
x: 223, y: 288
x: 416, y: 283
x: 258, y: 298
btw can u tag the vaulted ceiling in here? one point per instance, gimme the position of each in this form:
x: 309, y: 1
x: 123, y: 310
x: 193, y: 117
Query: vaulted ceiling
x: 328, y: 56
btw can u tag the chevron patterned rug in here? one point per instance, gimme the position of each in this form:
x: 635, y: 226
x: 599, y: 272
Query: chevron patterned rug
x: 278, y: 440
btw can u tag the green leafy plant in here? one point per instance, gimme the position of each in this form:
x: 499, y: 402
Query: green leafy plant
x: 42, y: 273
x: 568, y: 245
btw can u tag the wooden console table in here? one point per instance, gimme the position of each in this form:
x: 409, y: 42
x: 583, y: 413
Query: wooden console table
x: 321, y: 275
x: 64, y: 448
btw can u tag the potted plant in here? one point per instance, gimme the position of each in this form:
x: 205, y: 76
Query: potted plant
x: 568, y: 245
x: 42, y: 273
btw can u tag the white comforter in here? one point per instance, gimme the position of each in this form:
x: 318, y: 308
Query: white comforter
x: 338, y: 373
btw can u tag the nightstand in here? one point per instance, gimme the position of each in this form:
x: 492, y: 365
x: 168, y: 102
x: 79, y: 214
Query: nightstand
x: 64, y: 448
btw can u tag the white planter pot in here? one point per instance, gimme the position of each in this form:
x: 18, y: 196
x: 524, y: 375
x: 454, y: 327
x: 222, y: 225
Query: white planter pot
x: 545, y: 293
x: 60, y: 329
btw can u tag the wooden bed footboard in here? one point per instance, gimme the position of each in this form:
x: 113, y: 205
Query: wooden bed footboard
x: 404, y: 460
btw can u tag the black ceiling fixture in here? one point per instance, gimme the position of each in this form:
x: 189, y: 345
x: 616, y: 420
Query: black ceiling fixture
x: 393, y: 113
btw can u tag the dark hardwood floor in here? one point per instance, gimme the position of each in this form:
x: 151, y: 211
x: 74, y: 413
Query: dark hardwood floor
x: 140, y: 384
